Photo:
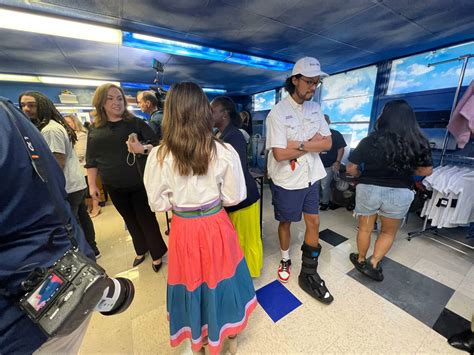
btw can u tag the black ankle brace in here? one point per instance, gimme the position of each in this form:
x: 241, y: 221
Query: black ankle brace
x: 311, y: 252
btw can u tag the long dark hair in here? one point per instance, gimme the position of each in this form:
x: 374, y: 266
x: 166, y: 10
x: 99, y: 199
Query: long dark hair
x: 46, y: 111
x: 399, y: 138
x: 229, y: 106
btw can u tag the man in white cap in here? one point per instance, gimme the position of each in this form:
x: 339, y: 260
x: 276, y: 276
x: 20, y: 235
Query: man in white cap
x: 296, y: 133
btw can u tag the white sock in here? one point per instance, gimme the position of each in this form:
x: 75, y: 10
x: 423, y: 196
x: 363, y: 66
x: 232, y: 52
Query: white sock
x: 285, y: 254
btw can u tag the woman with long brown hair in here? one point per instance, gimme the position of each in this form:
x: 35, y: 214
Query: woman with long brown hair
x: 117, y: 146
x: 210, y: 292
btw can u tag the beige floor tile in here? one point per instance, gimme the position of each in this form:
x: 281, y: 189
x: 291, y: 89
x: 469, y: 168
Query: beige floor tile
x: 461, y: 304
x: 108, y: 335
x: 435, y: 343
x: 150, y: 332
x: 358, y: 321
x: 439, y: 273
x: 467, y: 284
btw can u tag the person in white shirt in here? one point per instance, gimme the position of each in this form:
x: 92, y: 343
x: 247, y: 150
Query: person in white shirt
x: 61, y: 140
x: 210, y: 291
x: 296, y: 133
x: 81, y: 147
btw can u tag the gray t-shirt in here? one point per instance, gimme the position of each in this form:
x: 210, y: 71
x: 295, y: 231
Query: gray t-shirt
x: 58, y: 141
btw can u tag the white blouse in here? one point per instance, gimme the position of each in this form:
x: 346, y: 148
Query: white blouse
x: 167, y: 189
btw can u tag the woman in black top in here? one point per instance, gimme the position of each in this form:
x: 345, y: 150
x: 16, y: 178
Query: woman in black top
x: 246, y: 215
x: 120, y: 162
x: 386, y: 162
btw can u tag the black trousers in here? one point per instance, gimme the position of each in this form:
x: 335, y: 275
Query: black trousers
x: 132, y: 204
x: 79, y: 209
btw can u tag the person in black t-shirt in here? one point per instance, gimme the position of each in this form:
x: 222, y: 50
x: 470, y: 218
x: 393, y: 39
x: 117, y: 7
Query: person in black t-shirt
x: 385, y: 163
x: 246, y: 215
x: 120, y: 162
x: 332, y: 161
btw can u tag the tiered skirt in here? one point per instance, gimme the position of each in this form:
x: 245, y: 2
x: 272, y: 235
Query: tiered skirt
x: 210, y: 291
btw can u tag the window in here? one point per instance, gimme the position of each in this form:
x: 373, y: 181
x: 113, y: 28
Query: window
x: 264, y: 100
x: 347, y: 99
x: 412, y: 74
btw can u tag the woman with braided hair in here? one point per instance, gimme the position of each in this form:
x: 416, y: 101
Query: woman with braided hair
x: 61, y: 140
x: 385, y: 163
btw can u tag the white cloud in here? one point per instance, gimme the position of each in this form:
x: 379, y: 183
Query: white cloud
x: 360, y: 118
x: 260, y: 103
x: 354, y: 83
x: 353, y: 103
x: 419, y: 69
x: 434, y: 54
x: 456, y: 71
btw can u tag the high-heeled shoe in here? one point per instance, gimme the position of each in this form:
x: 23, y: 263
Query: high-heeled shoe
x: 138, y: 260
x: 156, y: 267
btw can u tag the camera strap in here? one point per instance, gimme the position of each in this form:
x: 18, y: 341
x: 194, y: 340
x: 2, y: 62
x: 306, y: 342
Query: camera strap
x: 38, y: 167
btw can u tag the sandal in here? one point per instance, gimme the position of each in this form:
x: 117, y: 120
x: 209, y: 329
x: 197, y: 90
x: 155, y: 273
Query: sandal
x: 366, y: 268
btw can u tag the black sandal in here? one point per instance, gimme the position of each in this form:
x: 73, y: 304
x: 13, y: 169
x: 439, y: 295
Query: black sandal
x: 366, y: 268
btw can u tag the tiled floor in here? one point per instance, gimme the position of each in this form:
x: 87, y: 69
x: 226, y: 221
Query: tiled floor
x: 362, y: 319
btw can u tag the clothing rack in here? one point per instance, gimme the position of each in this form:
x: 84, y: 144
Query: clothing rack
x: 465, y: 160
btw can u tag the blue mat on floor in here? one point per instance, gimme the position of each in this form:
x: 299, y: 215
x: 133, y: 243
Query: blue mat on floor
x: 276, y: 300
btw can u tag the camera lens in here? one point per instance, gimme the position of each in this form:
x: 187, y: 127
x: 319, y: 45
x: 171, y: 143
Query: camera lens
x: 117, y: 296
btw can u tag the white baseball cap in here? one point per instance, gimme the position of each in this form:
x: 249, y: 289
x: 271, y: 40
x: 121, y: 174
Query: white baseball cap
x: 309, y: 67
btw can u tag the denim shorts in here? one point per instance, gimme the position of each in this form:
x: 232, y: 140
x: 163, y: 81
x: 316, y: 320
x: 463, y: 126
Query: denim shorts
x: 289, y: 205
x: 390, y: 202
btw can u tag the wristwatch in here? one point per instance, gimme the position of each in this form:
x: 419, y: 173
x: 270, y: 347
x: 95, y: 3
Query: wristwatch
x: 145, y: 150
x: 301, y: 147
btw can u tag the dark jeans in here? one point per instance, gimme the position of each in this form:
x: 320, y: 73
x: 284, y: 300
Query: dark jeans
x: 132, y: 204
x: 79, y: 209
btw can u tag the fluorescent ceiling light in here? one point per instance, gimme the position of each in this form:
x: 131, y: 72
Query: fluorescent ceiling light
x: 214, y: 91
x: 140, y: 86
x: 19, y: 78
x: 73, y: 81
x: 146, y: 86
x: 196, y: 51
x: 22, y: 21
x: 54, y: 80
x: 68, y: 108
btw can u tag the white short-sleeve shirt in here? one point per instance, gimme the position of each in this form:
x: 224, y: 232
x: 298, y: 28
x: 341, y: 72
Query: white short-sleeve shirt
x: 289, y: 120
x: 58, y: 141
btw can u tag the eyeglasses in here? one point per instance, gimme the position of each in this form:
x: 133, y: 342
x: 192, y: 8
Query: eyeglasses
x: 312, y: 83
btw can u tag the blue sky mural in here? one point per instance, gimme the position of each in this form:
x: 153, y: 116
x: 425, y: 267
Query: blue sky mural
x: 412, y: 74
x: 264, y: 100
x: 347, y: 97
